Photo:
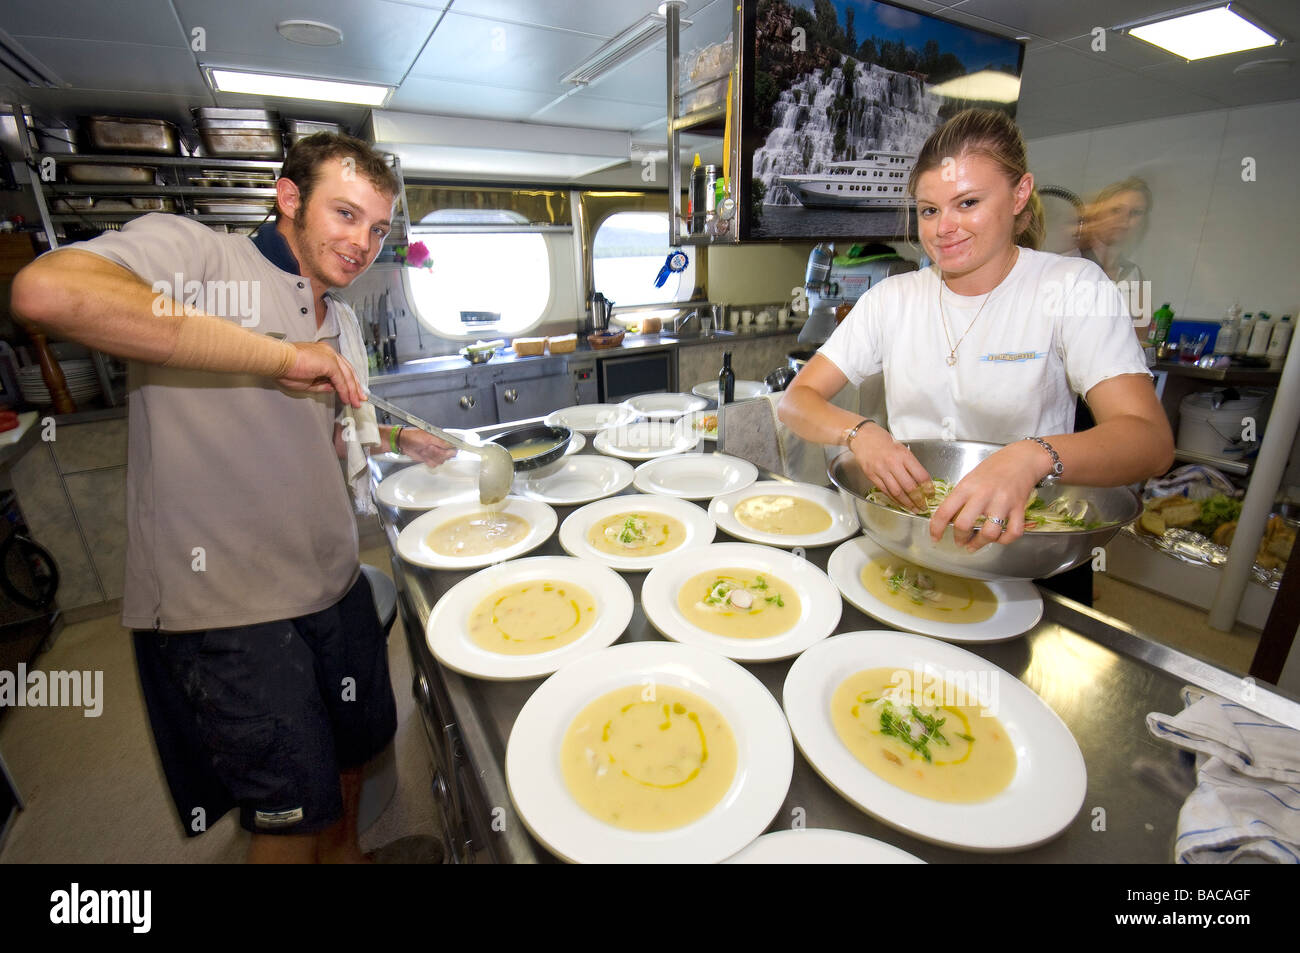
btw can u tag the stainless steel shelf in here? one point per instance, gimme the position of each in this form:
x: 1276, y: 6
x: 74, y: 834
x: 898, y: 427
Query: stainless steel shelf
x: 1239, y: 467
x: 184, y: 162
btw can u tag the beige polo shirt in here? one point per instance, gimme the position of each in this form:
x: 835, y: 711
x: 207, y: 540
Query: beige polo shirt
x: 237, y: 511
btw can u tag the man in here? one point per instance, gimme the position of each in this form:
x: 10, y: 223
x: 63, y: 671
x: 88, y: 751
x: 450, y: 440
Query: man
x: 257, y: 638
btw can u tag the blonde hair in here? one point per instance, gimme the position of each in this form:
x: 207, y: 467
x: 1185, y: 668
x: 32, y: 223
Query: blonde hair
x: 992, y: 134
x: 1131, y: 184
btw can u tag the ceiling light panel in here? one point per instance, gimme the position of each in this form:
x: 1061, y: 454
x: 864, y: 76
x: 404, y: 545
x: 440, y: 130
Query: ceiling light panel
x: 1206, y: 33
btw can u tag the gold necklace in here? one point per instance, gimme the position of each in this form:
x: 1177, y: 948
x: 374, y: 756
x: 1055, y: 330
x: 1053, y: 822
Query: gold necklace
x: 943, y: 318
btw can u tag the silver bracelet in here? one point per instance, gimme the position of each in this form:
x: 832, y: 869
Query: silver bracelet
x: 1058, y: 467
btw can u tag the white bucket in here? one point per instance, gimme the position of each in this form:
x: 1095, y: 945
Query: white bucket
x: 1219, y: 432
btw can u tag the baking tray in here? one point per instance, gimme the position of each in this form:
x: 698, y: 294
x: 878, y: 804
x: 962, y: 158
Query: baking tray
x: 242, y: 144
x: 125, y: 134
x: 98, y: 173
x: 219, y: 115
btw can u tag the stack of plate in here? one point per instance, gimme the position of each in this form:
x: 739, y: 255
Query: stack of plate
x: 83, y: 384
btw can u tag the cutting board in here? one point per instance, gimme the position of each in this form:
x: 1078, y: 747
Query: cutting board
x: 24, y: 422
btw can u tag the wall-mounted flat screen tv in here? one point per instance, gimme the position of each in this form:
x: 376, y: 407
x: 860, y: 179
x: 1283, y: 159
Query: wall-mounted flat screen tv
x: 838, y: 96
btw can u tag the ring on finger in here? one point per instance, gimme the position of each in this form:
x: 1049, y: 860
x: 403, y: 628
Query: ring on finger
x: 998, y: 521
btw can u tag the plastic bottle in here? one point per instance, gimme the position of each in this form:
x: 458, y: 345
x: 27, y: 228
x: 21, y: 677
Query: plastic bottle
x: 1281, y: 338
x: 1243, y: 334
x: 1259, y: 335
x: 1164, y: 317
x: 1226, y: 340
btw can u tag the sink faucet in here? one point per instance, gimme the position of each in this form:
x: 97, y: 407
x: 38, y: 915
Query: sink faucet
x: 679, y: 323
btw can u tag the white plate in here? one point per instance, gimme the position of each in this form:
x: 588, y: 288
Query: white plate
x: 451, y: 645
x: 821, y: 847
x: 1020, y: 606
x: 1043, y: 797
x: 590, y: 418
x: 695, y: 476
x: 687, y: 425
x: 765, y: 757
x: 643, y: 441
x: 420, y: 487
x: 664, y: 406
x: 574, y: 529
x: 819, y: 601
x: 412, y: 547
x: 577, y: 480
x: 576, y: 442
x: 745, y: 390
x: 844, y: 521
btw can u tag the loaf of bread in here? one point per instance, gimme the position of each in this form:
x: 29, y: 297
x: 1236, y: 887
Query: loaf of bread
x: 529, y: 347
x: 564, y: 344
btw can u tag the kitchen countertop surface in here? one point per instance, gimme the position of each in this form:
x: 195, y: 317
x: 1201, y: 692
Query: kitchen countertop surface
x: 1096, y: 673
x: 408, y: 370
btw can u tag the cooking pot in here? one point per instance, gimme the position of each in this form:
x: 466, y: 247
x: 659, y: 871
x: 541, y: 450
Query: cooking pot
x: 780, y: 378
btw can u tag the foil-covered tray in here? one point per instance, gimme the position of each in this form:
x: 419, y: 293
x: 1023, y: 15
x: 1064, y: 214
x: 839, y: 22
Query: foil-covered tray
x: 1199, y: 550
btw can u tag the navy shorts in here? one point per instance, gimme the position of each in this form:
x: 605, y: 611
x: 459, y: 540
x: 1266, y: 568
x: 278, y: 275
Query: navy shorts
x: 280, y: 708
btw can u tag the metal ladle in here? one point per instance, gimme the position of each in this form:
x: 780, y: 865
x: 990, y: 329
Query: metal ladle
x: 496, y: 466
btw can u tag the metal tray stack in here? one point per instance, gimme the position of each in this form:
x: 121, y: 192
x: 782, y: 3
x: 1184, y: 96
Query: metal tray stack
x: 239, y: 133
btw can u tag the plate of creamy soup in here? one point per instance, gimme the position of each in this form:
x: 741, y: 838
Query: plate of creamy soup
x: 528, y: 617
x: 916, y: 599
x: 471, y: 535
x: 635, y: 533
x: 649, y: 752
x: 784, y: 514
x: 576, y: 480
x: 935, y: 741
x: 750, y: 603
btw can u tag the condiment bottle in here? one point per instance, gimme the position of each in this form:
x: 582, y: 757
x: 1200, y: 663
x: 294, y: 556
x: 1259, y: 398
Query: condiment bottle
x: 1259, y: 335
x: 1164, y: 318
x: 1281, y: 339
x: 1225, y: 342
x: 726, y: 381
x: 1243, y: 334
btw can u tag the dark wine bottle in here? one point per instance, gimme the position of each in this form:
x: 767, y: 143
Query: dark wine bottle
x: 726, y: 381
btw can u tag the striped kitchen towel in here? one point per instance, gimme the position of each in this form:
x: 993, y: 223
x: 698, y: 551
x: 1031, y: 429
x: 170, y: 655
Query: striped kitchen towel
x: 1246, y: 806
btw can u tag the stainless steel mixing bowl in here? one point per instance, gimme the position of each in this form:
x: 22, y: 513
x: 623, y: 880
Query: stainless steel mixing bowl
x: 1034, y: 555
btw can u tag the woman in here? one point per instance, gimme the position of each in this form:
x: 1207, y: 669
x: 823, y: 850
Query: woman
x: 990, y: 343
x: 1115, y: 223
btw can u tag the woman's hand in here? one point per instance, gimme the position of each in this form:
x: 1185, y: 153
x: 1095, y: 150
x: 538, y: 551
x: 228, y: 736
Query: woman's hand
x: 424, y: 447
x: 997, y: 490
x: 892, y: 467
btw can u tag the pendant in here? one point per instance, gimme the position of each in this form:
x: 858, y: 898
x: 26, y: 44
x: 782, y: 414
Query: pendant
x: 952, y: 359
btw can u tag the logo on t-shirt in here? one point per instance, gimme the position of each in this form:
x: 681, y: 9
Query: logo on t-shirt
x: 1014, y: 357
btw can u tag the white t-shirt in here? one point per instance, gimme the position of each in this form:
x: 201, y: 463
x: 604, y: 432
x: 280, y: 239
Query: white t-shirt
x: 1053, y: 328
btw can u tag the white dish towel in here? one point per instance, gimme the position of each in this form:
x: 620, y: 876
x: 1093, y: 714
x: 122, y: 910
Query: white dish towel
x: 1246, y: 806
x: 364, y: 425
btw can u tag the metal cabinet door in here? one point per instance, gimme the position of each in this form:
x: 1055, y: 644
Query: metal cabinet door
x: 534, y: 397
x: 461, y: 407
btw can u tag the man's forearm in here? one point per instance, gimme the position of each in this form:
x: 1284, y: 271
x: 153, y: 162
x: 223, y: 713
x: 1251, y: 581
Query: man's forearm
x: 81, y: 297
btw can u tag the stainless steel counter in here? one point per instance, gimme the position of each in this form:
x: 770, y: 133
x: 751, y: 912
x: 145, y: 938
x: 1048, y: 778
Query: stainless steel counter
x: 1095, y: 672
x: 453, y: 363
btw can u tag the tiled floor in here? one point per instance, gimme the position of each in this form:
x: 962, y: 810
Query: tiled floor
x: 94, y: 788
x: 95, y: 791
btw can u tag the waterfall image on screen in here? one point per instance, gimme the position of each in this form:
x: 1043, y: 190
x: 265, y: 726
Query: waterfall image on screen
x: 844, y: 94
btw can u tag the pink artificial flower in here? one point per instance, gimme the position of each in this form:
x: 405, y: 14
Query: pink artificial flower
x: 417, y: 254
